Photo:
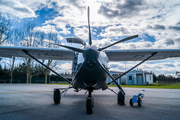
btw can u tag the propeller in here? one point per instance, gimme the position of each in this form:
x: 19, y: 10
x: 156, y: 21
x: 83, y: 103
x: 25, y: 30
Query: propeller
x: 68, y: 47
x: 120, y: 41
x: 90, y: 41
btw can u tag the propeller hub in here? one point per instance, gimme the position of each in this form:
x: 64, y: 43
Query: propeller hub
x: 91, y: 64
x: 91, y: 56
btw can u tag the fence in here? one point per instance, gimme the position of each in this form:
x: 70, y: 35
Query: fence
x: 166, y: 81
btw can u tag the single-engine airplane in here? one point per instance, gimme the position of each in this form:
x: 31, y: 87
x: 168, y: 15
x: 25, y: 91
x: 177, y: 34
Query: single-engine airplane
x: 90, y: 64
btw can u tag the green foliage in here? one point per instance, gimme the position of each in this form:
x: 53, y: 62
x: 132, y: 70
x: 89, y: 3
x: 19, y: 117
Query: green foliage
x: 4, y: 71
x: 20, y: 70
x: 55, y: 78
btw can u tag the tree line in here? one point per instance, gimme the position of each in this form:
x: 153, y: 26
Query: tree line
x: 26, y: 36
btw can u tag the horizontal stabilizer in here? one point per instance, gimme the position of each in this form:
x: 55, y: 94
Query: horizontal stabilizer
x: 75, y: 40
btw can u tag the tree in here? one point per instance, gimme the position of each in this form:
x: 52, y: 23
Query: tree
x: 51, y: 37
x: 4, y: 29
x: 29, y: 40
x: 154, y: 76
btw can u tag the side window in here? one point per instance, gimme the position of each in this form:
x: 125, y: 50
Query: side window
x: 130, y: 77
x: 150, y: 77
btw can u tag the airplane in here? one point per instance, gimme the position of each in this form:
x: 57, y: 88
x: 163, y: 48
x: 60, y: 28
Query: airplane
x: 89, y: 64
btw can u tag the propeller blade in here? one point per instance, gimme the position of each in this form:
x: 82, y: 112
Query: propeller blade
x: 68, y: 47
x: 90, y: 41
x: 120, y: 41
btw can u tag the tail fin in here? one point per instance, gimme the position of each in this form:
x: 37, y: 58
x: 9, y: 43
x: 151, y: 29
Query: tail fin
x: 90, y: 41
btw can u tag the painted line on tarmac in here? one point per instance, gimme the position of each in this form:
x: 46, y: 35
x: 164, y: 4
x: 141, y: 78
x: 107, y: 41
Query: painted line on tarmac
x: 24, y: 92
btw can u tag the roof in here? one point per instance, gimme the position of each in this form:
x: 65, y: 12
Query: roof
x: 132, y: 71
x: 117, y: 72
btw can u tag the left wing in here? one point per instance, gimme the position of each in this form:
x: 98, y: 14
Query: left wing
x: 39, y: 53
x: 141, y: 54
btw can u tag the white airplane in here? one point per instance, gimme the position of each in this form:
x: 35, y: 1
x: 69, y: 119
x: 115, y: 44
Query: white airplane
x: 90, y: 64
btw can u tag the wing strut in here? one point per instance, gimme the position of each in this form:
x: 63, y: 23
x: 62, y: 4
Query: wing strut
x: 26, y: 52
x: 154, y: 53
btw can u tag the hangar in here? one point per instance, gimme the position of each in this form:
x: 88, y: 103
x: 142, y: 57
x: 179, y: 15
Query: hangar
x: 134, y: 77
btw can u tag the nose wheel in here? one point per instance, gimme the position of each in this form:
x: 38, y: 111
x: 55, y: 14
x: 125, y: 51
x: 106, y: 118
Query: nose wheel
x: 89, y: 103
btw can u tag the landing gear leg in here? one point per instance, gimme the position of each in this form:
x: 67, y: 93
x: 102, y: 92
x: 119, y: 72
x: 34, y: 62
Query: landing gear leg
x: 89, y: 103
x: 120, y: 98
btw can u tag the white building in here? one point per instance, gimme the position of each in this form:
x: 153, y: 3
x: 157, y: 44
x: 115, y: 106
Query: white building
x: 133, y: 78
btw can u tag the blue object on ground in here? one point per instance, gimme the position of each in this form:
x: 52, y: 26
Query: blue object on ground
x: 137, y: 99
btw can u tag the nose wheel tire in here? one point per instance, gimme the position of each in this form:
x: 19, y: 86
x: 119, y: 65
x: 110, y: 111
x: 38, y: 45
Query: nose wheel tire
x: 89, y: 105
x: 57, y: 96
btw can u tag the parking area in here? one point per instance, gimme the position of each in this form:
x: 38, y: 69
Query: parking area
x: 35, y: 101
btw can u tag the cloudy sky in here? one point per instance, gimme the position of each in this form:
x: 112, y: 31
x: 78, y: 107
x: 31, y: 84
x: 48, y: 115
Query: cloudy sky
x: 157, y: 22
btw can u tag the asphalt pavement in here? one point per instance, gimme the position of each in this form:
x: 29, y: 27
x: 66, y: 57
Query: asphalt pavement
x: 35, y: 101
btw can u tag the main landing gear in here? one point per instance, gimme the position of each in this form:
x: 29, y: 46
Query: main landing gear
x: 57, y: 96
x: 120, y: 98
x: 89, y: 103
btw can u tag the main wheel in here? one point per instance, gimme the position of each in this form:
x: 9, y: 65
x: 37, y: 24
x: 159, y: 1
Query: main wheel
x: 57, y: 96
x: 130, y: 102
x: 139, y: 102
x: 89, y: 105
x: 120, y: 98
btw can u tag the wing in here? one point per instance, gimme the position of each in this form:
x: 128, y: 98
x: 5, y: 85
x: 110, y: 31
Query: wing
x: 39, y: 53
x: 141, y: 54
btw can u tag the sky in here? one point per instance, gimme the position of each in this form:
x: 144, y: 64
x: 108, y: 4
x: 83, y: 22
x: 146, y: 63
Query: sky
x: 157, y: 22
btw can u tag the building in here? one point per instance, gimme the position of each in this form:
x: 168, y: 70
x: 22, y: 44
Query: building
x: 134, y: 77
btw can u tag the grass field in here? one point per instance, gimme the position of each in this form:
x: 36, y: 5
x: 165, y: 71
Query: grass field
x: 155, y: 85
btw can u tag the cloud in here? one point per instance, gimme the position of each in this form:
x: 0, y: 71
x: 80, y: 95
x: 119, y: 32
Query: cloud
x: 66, y: 66
x: 178, y: 23
x: 169, y: 65
x: 169, y: 42
x: 46, y: 29
x: 16, y: 8
x: 175, y: 28
x: 156, y: 27
x: 124, y: 8
x: 81, y: 33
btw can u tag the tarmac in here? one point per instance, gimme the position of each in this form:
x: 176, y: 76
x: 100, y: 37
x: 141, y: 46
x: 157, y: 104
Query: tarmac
x: 35, y: 102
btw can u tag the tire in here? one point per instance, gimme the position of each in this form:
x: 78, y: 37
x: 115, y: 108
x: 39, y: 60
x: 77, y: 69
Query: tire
x: 120, y: 98
x: 130, y: 102
x: 89, y: 105
x: 139, y: 102
x: 57, y: 96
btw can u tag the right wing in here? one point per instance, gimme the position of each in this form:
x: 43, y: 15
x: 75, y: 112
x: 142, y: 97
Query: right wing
x: 39, y: 53
x: 141, y: 54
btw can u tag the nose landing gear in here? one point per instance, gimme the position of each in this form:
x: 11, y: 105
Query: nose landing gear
x: 89, y: 103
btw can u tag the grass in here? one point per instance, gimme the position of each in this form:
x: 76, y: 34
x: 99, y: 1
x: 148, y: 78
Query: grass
x: 155, y: 85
